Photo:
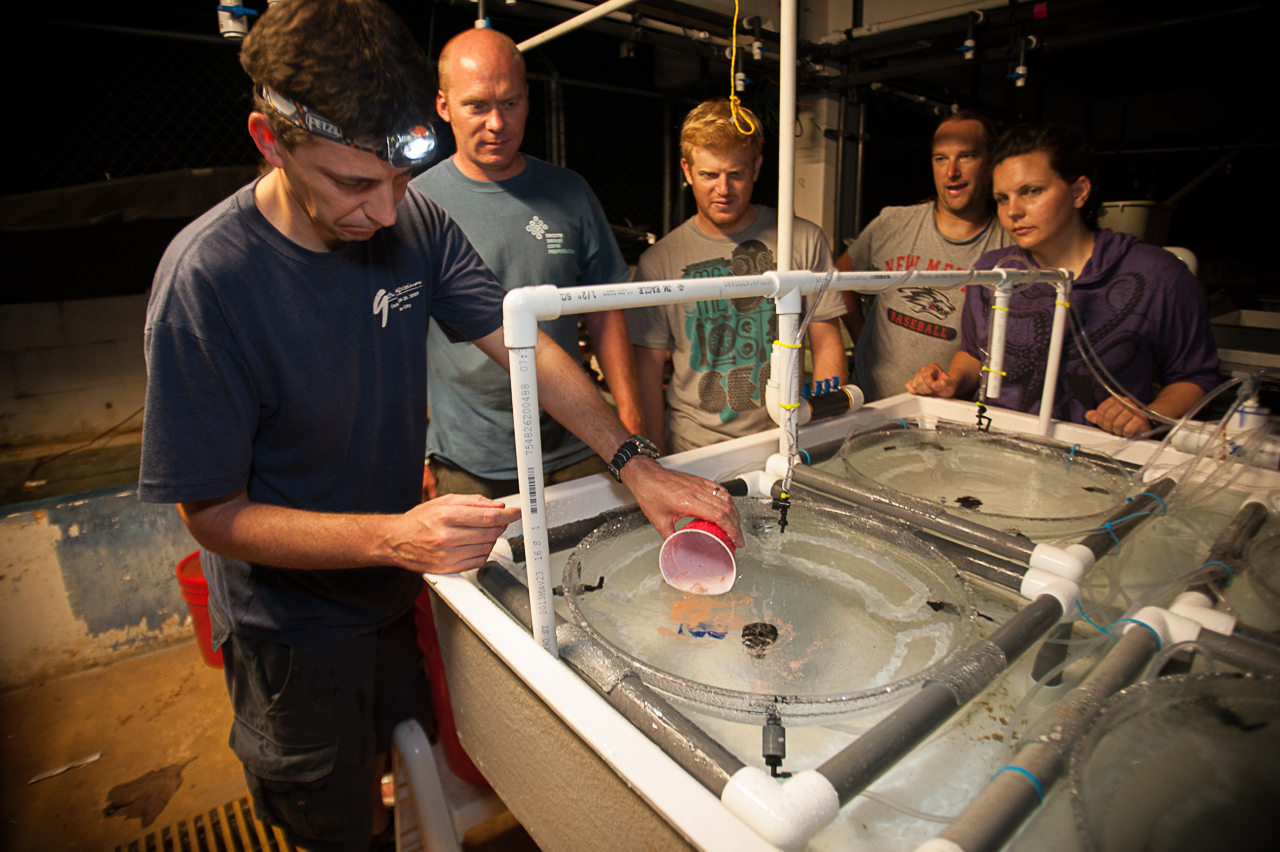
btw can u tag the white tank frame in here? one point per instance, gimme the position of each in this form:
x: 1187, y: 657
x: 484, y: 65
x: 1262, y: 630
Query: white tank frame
x: 525, y: 307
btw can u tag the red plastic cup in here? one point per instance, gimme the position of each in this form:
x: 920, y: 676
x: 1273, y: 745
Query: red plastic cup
x: 699, y: 559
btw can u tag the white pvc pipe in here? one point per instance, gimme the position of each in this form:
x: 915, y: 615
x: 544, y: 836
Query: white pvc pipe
x: 999, y: 329
x: 573, y: 23
x: 640, y: 21
x: 524, y: 307
x: 786, y: 135
x: 926, y: 17
x: 1061, y: 305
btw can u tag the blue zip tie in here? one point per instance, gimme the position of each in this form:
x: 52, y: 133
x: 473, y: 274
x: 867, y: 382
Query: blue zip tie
x: 1071, y: 457
x: 904, y: 423
x: 1143, y: 624
x: 1107, y: 527
x: 1035, y: 782
x: 1231, y: 575
x: 807, y: 459
x: 1164, y: 510
x: 1095, y: 624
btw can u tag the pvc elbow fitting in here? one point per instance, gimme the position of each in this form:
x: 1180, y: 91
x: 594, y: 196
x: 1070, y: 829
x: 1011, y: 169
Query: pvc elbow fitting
x: 1172, y: 629
x: 939, y: 844
x: 759, y: 482
x: 788, y: 814
x: 1038, y: 581
x: 1199, y: 608
x: 1071, y: 563
x: 522, y: 309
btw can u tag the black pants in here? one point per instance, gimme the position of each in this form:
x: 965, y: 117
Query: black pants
x: 309, y: 720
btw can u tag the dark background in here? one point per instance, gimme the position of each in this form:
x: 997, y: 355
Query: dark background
x: 1165, y: 90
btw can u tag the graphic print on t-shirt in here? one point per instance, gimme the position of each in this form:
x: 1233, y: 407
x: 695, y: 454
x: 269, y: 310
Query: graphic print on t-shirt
x: 927, y: 305
x: 730, y: 339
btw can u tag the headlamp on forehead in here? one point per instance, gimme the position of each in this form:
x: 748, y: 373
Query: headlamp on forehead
x: 411, y: 149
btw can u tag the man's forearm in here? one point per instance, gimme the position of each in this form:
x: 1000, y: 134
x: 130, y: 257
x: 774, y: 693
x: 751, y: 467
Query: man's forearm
x: 284, y: 537
x: 828, y: 351
x: 649, y: 366
x: 612, y: 344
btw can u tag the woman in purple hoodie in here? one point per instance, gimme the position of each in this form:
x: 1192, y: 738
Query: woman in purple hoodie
x: 1141, y: 309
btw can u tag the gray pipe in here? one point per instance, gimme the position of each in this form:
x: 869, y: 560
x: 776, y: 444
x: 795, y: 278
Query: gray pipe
x: 996, y: 812
x: 1230, y: 545
x: 1136, y: 512
x: 857, y: 767
x: 1002, y: 572
x: 902, y: 507
x: 1241, y: 653
x: 684, y: 742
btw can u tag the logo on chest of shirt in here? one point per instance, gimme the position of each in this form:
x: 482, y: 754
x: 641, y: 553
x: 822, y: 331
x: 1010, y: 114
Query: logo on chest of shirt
x: 540, y: 231
x: 925, y: 302
x: 399, y: 299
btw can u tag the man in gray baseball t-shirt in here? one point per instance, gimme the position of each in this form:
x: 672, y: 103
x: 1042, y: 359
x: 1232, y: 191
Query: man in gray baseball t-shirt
x: 905, y: 328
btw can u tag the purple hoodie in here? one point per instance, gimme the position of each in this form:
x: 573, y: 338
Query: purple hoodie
x: 1142, y: 311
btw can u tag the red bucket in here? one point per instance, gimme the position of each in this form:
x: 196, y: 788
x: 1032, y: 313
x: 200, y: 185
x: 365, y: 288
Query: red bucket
x: 195, y: 591
x: 454, y: 754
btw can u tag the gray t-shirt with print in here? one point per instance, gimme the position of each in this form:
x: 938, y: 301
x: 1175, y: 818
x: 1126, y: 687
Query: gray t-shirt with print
x: 912, y: 326
x: 720, y: 349
x: 543, y: 226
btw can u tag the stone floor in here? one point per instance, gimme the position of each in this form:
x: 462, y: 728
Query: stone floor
x: 164, y: 709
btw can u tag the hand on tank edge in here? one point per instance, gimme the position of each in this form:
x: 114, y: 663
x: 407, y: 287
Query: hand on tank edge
x: 1119, y: 418
x: 665, y: 496
x: 449, y: 534
x: 932, y: 380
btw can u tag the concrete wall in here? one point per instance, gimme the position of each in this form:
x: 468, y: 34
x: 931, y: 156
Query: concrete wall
x: 87, y: 580
x: 70, y: 370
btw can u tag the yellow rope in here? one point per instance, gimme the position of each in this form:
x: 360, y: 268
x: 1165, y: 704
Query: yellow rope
x: 735, y: 108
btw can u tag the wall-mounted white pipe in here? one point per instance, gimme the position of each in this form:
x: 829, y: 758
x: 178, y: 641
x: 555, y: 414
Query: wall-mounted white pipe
x: 999, y: 329
x: 574, y: 23
x: 926, y: 17
x: 1061, y: 306
x: 640, y: 21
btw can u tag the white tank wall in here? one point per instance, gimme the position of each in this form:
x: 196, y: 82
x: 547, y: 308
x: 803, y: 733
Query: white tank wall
x: 70, y: 370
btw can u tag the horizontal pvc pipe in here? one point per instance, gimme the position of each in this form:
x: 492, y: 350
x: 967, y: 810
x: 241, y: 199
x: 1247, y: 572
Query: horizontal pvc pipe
x: 898, y: 505
x: 858, y: 766
x: 710, y: 763
x: 992, y: 817
x: 581, y: 300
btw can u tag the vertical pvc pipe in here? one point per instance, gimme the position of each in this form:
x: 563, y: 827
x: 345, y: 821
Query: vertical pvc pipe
x: 786, y: 208
x: 1061, y: 304
x: 999, y: 328
x: 537, y: 552
x: 786, y: 135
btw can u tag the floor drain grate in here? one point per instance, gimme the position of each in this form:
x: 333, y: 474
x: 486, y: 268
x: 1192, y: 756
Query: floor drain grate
x: 230, y: 828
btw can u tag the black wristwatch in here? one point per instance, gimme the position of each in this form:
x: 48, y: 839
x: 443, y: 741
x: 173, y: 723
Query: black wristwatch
x: 632, y: 447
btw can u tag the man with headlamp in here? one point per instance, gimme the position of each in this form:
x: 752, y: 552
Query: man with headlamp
x: 286, y: 412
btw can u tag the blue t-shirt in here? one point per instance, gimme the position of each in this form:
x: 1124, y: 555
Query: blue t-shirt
x: 300, y: 376
x: 543, y: 226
